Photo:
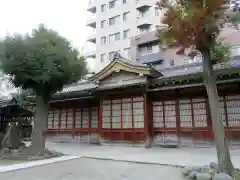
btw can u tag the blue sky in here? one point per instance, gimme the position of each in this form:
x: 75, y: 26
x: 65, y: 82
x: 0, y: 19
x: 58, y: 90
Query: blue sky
x: 68, y: 17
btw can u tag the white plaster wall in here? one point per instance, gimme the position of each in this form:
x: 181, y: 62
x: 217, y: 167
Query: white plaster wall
x: 131, y: 24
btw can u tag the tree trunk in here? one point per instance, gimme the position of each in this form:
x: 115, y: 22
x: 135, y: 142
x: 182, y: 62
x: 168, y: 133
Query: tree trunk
x: 40, y: 121
x: 224, y: 160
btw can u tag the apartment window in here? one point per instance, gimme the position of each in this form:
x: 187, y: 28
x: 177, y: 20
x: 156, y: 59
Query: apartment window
x: 103, y: 40
x: 126, y: 52
x: 114, y: 37
x: 235, y: 50
x: 145, y: 29
x: 126, y: 34
x: 149, y: 48
x: 103, y: 8
x: 143, y: 14
x: 113, y: 4
x: 156, y: 11
x: 141, y: 49
x: 103, y: 57
x: 126, y: 16
x: 114, y: 20
x: 158, y: 27
x: 113, y: 53
x: 171, y: 62
x: 103, y: 23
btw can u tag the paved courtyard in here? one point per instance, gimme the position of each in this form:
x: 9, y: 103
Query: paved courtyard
x: 97, y: 167
x: 90, y: 169
x: 176, y: 157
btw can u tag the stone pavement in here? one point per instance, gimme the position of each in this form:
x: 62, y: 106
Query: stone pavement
x: 154, y: 156
x: 89, y: 169
x: 17, y: 166
x: 164, y: 156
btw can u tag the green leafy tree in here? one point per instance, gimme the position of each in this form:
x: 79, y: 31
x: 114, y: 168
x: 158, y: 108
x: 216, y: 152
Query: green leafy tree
x: 195, y: 25
x: 25, y: 98
x: 44, y: 62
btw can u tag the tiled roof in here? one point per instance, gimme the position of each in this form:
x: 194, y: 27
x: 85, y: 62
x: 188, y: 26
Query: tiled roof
x: 188, y: 69
x: 182, y: 70
x: 5, y: 102
x: 79, y: 86
x: 133, y: 63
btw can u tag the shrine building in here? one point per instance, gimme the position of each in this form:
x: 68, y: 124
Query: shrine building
x: 127, y: 102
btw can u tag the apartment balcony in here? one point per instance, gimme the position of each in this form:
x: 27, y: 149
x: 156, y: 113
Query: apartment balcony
x: 92, y: 6
x: 151, y: 58
x: 92, y: 37
x: 143, y: 22
x: 143, y: 5
x: 144, y: 38
x: 91, y: 22
x: 90, y: 54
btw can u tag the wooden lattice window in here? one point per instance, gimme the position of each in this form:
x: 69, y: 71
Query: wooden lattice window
x: 233, y: 110
x: 116, y: 113
x: 186, y: 113
x: 69, y: 119
x: 200, y: 112
x: 106, y: 114
x: 170, y: 114
x: 127, y: 113
x: 138, y: 112
x: 63, y: 124
x: 158, y: 119
x: 123, y: 113
x: 78, y: 118
x: 85, y: 118
x: 50, y: 119
x: 55, y: 119
x: 94, y: 117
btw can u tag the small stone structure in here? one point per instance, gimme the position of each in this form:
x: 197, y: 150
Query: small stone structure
x: 205, y: 173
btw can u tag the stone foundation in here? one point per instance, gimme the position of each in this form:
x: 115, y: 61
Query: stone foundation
x: 93, y: 138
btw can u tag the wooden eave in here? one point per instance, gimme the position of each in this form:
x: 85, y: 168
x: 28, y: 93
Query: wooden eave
x: 229, y: 75
x: 117, y: 66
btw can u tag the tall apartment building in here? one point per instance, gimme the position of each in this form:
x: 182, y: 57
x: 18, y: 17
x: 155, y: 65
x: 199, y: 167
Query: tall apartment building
x: 115, y: 21
x: 129, y: 27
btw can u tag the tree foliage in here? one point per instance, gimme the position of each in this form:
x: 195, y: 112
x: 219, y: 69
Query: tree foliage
x: 43, y: 61
x: 195, y: 25
x: 25, y: 97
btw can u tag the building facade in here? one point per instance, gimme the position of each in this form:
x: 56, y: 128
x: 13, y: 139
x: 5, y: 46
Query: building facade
x: 129, y: 27
x: 128, y: 102
x: 115, y: 21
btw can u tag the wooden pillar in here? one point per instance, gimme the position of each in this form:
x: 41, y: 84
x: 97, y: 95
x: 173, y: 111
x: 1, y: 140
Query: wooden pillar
x: 193, y: 123
x: 133, y: 132
x: 150, y: 117
x: 90, y: 119
x: 100, y: 119
x: 122, y: 126
x: 53, y: 119
x: 59, y: 119
x: 147, y: 134
x: 178, y: 121
x: 74, y: 122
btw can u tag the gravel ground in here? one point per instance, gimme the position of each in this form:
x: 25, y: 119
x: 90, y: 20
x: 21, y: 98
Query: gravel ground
x: 92, y: 169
